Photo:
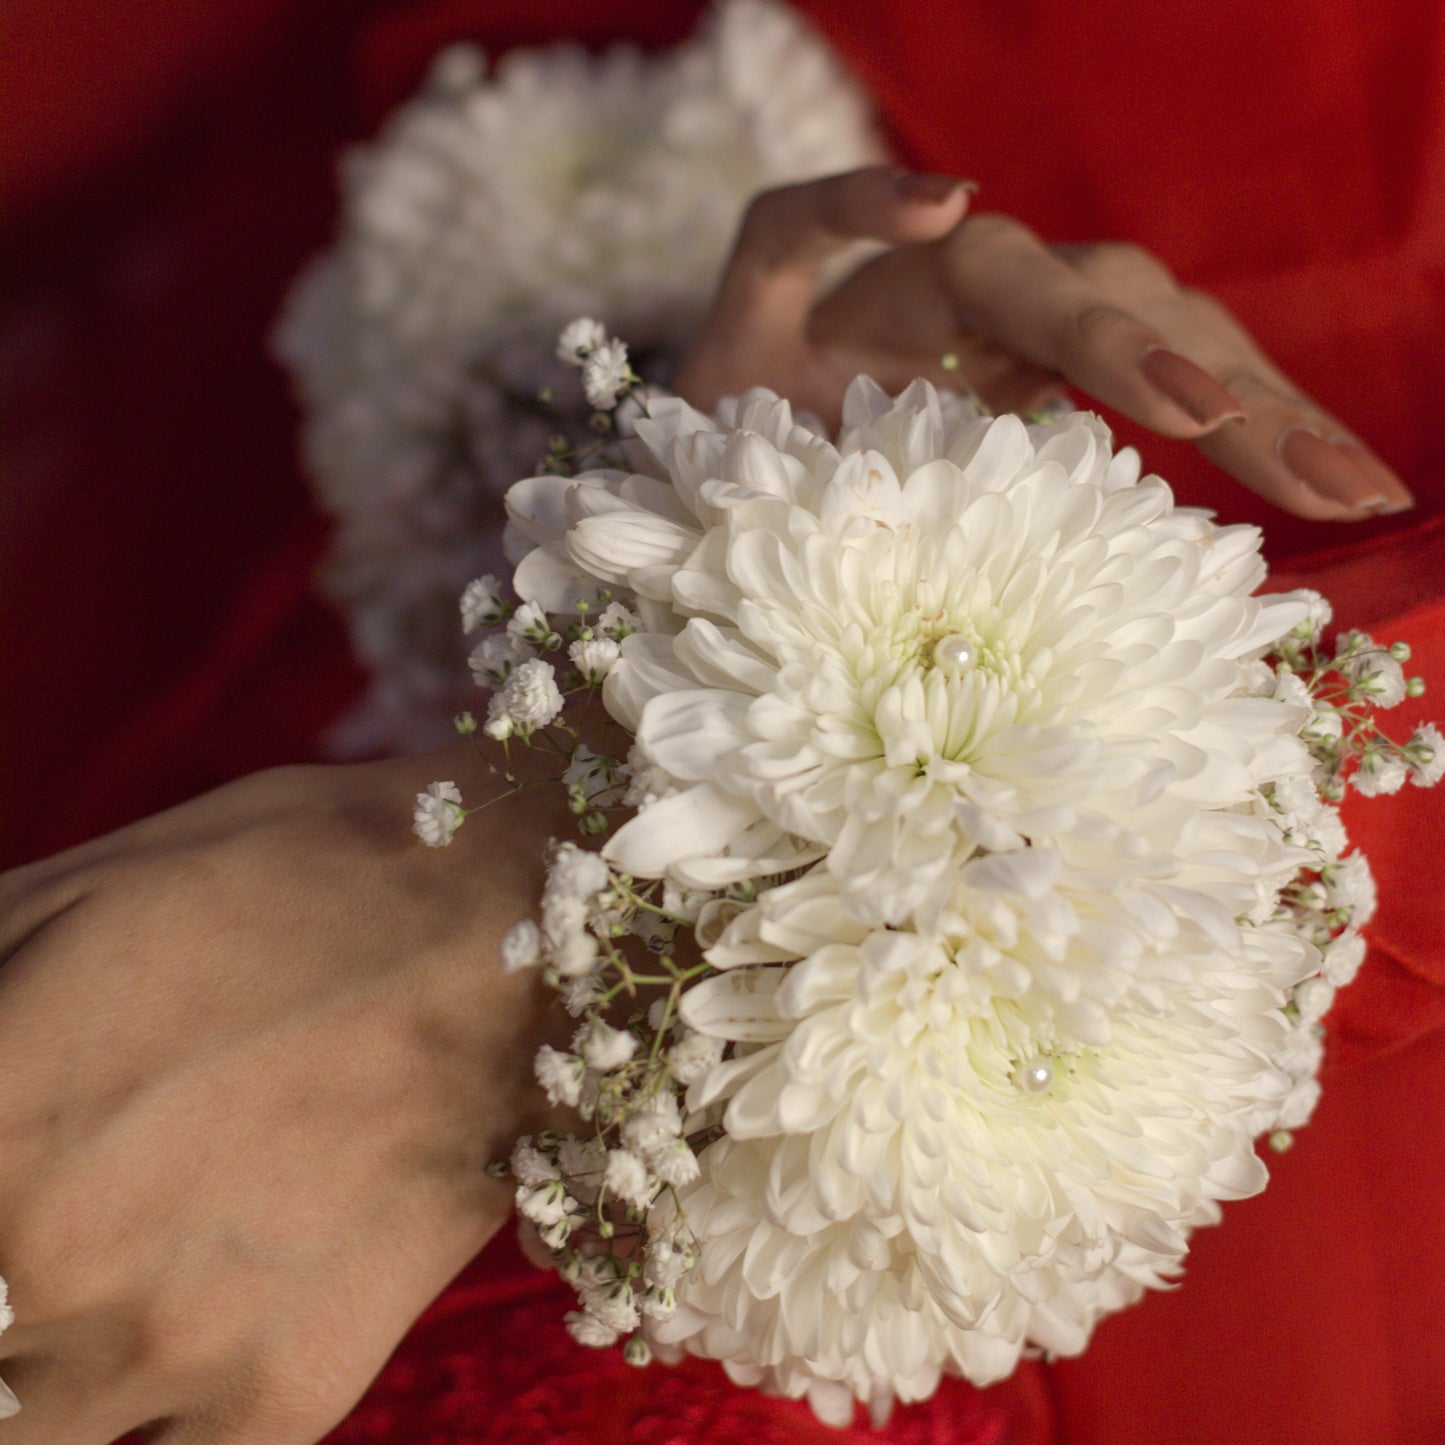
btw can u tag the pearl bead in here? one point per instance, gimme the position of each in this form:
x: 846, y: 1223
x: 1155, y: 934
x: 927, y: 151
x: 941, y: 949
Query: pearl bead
x: 954, y: 653
x: 1038, y: 1075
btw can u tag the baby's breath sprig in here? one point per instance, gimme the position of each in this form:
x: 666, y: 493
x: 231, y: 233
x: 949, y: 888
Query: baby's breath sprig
x: 1345, y: 687
x: 1329, y: 900
x: 604, y: 1205
x: 613, y: 390
x: 529, y: 702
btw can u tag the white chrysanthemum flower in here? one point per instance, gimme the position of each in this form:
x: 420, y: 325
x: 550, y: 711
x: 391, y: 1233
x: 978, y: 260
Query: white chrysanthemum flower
x: 438, y: 814
x: 947, y: 635
x: 500, y: 203
x: 971, y: 1162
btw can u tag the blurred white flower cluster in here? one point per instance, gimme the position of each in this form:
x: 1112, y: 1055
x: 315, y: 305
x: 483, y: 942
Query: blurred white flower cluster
x: 1004, y: 817
x: 494, y: 206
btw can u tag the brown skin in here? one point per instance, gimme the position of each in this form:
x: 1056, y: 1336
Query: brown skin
x: 258, y: 1050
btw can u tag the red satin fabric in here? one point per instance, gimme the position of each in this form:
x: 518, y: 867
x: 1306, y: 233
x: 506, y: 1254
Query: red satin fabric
x: 162, y: 177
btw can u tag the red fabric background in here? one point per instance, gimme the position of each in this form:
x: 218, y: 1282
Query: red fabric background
x: 165, y: 169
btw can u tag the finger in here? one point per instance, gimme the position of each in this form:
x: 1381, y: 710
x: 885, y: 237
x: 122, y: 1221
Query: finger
x: 1301, y: 459
x: 790, y: 234
x: 1006, y: 284
x: 1288, y: 449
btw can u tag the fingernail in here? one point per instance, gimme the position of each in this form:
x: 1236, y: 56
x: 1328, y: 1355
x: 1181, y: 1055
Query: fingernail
x: 1395, y: 494
x: 1327, y: 471
x: 1189, y: 387
x: 928, y: 186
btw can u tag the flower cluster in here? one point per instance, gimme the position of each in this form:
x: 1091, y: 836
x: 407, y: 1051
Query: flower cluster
x: 1001, y: 817
x: 595, y: 1201
x: 497, y: 203
x: 592, y: 1202
x: 1333, y: 895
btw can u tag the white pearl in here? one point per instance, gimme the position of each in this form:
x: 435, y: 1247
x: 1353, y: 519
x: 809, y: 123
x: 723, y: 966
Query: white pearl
x: 954, y: 653
x: 1038, y: 1075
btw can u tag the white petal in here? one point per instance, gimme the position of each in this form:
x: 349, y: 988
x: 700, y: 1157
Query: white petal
x: 688, y: 732
x: 697, y: 823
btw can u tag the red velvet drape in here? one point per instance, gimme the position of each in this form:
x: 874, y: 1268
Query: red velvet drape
x: 164, y: 170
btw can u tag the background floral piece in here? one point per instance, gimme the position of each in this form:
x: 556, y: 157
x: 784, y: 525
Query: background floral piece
x: 491, y: 209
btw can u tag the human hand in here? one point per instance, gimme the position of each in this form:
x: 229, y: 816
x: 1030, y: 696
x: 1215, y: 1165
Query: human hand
x: 1022, y: 319
x: 257, y: 1054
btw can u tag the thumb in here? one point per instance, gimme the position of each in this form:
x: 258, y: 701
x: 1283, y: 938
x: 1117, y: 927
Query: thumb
x: 790, y: 234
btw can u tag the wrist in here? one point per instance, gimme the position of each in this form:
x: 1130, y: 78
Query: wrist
x: 488, y: 878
